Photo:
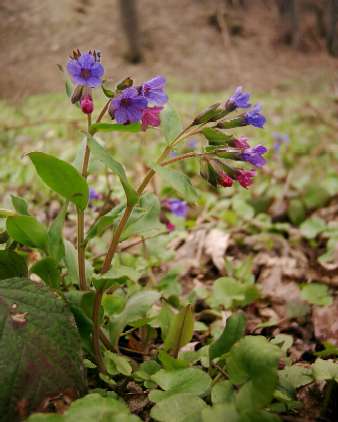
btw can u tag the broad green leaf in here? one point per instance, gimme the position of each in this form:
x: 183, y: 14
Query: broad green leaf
x: 55, y: 245
x: 188, y: 380
x: 295, y: 376
x: 229, y: 293
x: 12, y: 265
x: 27, y: 230
x: 104, y: 222
x: 117, y: 364
x: 171, y: 124
x: 296, y: 211
x: 105, y: 157
x: 47, y: 270
x: 92, y: 407
x: 170, y: 363
x: 181, y: 330
x: 145, y: 219
x: 242, y: 208
x: 222, y: 392
x: 179, y: 408
x: 61, y: 177
x: 114, y: 127
x: 233, y: 331
x: 221, y: 412
x: 316, y: 294
x: 40, y: 354
x: 136, y: 308
x: 253, y: 362
x: 325, y: 370
x: 20, y: 205
x: 311, y: 227
x: 178, y: 181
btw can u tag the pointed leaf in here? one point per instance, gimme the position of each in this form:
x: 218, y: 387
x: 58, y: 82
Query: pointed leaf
x: 12, y: 265
x: 48, y: 271
x: 115, y: 127
x: 171, y: 124
x: 61, y: 177
x: 178, y: 181
x: 180, y: 331
x: 27, y: 230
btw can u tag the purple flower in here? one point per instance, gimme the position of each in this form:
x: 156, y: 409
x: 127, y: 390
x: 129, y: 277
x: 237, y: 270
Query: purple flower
x: 177, y: 207
x: 128, y: 106
x: 93, y: 195
x: 192, y: 143
x: 153, y: 90
x: 239, y: 99
x: 254, y: 117
x: 85, y: 70
x: 151, y: 117
x: 280, y: 139
x: 254, y: 155
x: 87, y: 105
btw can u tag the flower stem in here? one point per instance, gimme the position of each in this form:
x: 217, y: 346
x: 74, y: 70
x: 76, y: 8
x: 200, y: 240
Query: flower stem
x: 96, y: 330
x: 80, y: 224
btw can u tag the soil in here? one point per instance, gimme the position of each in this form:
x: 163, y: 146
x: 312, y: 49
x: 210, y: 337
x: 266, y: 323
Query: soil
x: 180, y: 39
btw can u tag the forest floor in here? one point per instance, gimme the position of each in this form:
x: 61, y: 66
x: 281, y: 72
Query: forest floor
x: 180, y: 39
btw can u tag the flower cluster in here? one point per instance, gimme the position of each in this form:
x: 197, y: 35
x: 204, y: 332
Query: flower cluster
x: 140, y: 104
x: 128, y: 104
x: 224, y: 148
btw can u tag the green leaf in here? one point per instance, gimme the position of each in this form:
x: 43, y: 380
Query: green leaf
x: 222, y: 392
x: 317, y: 294
x: 70, y: 259
x: 312, y: 227
x: 55, y: 245
x: 253, y: 362
x: 144, y: 220
x: 179, y: 408
x: 114, y: 127
x: 12, y: 265
x: 233, y: 331
x: 178, y: 181
x: 295, y: 376
x: 181, y: 330
x: 27, y: 230
x: 61, y: 177
x: 4, y: 213
x: 171, y: 124
x: 20, y: 205
x: 229, y: 293
x: 136, y: 308
x: 117, y: 364
x: 188, y: 380
x: 325, y: 370
x: 105, y: 157
x: 296, y: 211
x: 40, y: 354
x: 47, y: 270
x: 222, y: 412
x: 92, y: 407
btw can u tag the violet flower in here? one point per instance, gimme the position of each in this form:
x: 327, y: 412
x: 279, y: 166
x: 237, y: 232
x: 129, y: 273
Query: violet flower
x: 254, y: 155
x: 177, y: 207
x: 239, y: 99
x: 128, y: 106
x: 241, y: 142
x: 254, y: 117
x: 85, y: 70
x: 93, y: 195
x: 153, y: 90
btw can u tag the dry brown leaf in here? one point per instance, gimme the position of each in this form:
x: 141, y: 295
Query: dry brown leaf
x: 325, y: 322
x: 216, y: 244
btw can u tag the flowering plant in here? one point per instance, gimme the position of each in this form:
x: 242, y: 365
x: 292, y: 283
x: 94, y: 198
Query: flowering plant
x: 225, y: 159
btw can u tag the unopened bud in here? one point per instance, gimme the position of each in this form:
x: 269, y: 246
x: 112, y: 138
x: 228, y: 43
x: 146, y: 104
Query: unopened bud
x: 230, y: 124
x: 211, y: 114
x: 225, y: 180
x: 87, y: 105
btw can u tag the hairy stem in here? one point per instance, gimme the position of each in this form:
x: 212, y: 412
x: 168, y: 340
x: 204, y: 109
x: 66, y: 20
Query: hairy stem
x: 96, y: 330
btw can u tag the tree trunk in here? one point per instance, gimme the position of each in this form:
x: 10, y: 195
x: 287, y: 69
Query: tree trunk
x: 129, y: 19
x: 290, y: 20
x: 332, y: 35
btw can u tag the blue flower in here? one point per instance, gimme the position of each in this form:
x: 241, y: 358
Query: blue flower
x: 93, y: 195
x: 254, y: 117
x: 254, y: 155
x: 177, y: 207
x: 239, y: 99
x: 128, y: 106
x: 153, y: 90
x: 85, y: 70
x: 280, y: 139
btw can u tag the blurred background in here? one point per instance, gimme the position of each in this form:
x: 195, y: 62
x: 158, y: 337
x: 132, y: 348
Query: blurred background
x: 200, y: 45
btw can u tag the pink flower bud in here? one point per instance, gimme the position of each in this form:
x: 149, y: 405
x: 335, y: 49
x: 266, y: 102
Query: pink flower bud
x: 87, y: 105
x: 225, y: 180
x: 245, y: 177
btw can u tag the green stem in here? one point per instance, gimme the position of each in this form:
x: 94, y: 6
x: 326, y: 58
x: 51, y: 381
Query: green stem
x: 96, y: 330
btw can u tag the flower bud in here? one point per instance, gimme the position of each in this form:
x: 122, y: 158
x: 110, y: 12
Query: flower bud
x: 87, y: 105
x: 211, y: 114
x: 225, y: 180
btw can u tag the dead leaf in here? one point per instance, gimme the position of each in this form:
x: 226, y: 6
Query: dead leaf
x: 325, y: 322
x: 216, y: 243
